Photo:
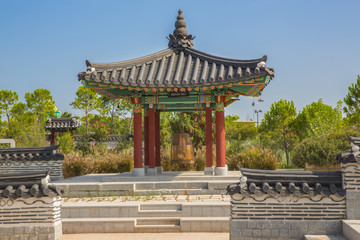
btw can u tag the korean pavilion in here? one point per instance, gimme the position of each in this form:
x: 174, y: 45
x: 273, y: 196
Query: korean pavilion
x: 179, y: 78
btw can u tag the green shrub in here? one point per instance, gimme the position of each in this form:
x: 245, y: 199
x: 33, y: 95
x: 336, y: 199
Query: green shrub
x: 253, y: 157
x: 320, y: 151
x: 100, y: 130
x: 5, y: 145
x: 125, y: 144
x: 66, y: 142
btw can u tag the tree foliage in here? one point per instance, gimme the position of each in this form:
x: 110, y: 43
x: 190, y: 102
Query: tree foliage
x: 318, y: 119
x: 87, y: 101
x: 41, y: 103
x: 7, y: 100
x: 114, y: 108
x: 321, y: 151
x: 352, y: 102
x: 279, y: 125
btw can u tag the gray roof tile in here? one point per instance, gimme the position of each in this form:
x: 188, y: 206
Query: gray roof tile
x: 28, y: 184
x: 61, y: 124
x: 288, y: 182
x: 172, y: 68
x: 30, y: 154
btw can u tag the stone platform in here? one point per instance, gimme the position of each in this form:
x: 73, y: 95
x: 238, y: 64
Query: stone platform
x: 137, y: 214
x: 174, y: 183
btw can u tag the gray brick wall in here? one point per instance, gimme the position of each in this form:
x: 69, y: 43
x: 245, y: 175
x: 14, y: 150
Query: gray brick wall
x: 277, y: 229
x: 351, y: 182
x: 301, y: 209
x: 30, y: 218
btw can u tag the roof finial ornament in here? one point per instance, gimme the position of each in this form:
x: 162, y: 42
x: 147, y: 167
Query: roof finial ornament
x: 180, y: 39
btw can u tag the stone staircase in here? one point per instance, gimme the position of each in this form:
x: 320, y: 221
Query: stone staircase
x: 153, y: 216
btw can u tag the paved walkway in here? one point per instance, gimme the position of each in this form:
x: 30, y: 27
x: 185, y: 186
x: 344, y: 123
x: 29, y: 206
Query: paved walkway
x: 147, y: 236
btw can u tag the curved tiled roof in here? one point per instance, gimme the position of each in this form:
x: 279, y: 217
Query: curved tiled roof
x: 28, y: 184
x: 62, y: 124
x: 30, y: 154
x: 178, y: 66
x: 173, y: 68
x: 282, y: 182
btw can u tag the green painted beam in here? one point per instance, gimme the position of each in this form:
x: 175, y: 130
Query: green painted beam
x: 180, y: 107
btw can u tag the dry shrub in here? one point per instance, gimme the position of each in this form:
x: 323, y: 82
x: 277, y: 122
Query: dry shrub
x: 254, y: 157
x: 76, y: 164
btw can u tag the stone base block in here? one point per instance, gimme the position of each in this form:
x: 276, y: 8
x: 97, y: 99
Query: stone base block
x: 209, y: 171
x: 138, y: 172
x: 152, y: 171
x: 36, y: 231
x: 351, y: 229
x: 146, y: 167
x: 282, y: 229
x: 221, y: 171
x: 159, y: 170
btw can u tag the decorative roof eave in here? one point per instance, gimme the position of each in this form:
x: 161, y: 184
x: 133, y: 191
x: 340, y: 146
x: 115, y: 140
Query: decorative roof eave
x: 61, y: 124
x: 30, y: 154
x: 285, y: 183
x: 144, y: 76
x: 28, y: 184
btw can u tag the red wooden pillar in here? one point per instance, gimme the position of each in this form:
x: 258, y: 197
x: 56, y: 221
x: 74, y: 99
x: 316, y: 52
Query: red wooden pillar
x: 146, y: 137
x: 151, y: 170
x: 221, y: 169
x: 157, y: 139
x: 137, y: 170
x: 52, y: 138
x: 209, y: 139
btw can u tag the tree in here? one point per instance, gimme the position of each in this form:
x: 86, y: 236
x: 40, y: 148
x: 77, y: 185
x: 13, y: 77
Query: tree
x: 318, y: 119
x: 279, y: 124
x: 41, y: 103
x: 87, y: 101
x: 7, y: 100
x: 25, y: 127
x: 114, y: 108
x: 66, y: 115
x: 352, y: 102
x: 235, y: 130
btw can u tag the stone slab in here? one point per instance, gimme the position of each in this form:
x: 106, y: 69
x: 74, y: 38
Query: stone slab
x: 324, y: 237
x: 351, y: 229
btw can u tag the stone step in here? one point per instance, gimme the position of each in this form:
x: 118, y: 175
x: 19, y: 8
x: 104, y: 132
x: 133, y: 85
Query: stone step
x: 118, y: 209
x: 198, y: 191
x: 160, y: 213
x: 97, y: 189
x: 157, y: 228
x: 157, y: 221
x: 160, y: 206
x: 324, y: 237
x: 130, y: 225
x: 351, y: 229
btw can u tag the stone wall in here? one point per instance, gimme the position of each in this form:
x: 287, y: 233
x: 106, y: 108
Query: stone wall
x: 10, y: 166
x: 351, y: 182
x: 30, y: 218
x: 281, y: 229
x: 286, y: 204
x: 286, y: 218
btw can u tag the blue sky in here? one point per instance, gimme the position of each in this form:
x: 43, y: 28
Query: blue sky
x: 314, y: 46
